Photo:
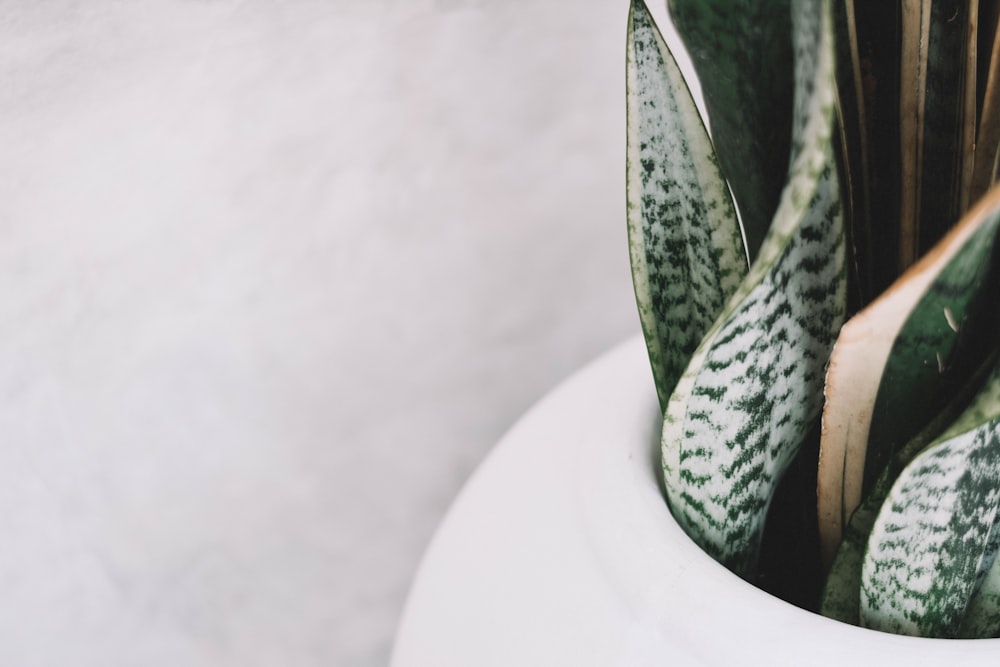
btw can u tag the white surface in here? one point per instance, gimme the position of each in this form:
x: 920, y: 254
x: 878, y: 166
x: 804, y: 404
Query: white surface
x: 275, y: 277
x: 584, y: 565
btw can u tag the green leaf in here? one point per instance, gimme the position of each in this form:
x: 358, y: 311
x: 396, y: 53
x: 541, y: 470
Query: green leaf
x: 877, y: 34
x: 684, y: 238
x: 841, y: 592
x: 986, y: 41
x: 754, y: 386
x: 937, y: 119
x: 988, y: 132
x: 854, y: 153
x: 742, y: 52
x: 934, y: 541
x: 899, y: 363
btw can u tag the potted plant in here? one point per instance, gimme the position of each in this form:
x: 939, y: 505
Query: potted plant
x: 621, y: 525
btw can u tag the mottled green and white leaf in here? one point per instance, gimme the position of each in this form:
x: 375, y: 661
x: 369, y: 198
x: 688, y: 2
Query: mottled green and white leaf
x: 842, y: 590
x: 754, y: 386
x: 933, y: 542
x: 684, y: 237
x: 982, y: 618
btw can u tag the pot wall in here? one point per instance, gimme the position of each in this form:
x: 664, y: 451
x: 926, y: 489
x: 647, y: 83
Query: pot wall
x: 561, y: 551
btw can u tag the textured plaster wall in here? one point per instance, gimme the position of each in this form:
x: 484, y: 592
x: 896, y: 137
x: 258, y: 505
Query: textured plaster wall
x: 275, y: 277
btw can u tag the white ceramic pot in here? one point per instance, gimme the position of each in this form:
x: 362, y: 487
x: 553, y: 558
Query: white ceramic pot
x: 561, y: 551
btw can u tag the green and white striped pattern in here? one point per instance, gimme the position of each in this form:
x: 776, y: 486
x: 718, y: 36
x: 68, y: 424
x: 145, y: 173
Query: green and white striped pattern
x: 982, y: 619
x: 684, y: 237
x: 754, y: 386
x: 841, y: 593
x: 935, y: 539
x: 929, y: 542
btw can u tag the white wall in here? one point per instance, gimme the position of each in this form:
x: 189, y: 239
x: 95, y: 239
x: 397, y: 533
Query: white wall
x: 275, y: 276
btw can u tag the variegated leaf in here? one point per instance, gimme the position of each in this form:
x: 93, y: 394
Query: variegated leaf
x: 754, y: 386
x: 743, y: 55
x: 982, y: 618
x: 898, y: 363
x: 842, y: 590
x: 934, y: 542
x: 684, y: 237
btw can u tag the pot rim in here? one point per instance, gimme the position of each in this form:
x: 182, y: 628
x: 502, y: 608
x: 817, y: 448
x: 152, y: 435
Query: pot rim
x: 561, y: 550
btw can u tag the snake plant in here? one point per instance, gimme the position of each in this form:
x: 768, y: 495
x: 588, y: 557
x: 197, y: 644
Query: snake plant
x: 818, y: 282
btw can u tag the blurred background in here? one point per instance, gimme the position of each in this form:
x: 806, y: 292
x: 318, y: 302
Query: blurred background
x: 275, y: 277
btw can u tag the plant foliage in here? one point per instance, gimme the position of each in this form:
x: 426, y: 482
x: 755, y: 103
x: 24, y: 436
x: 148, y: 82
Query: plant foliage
x: 860, y: 145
